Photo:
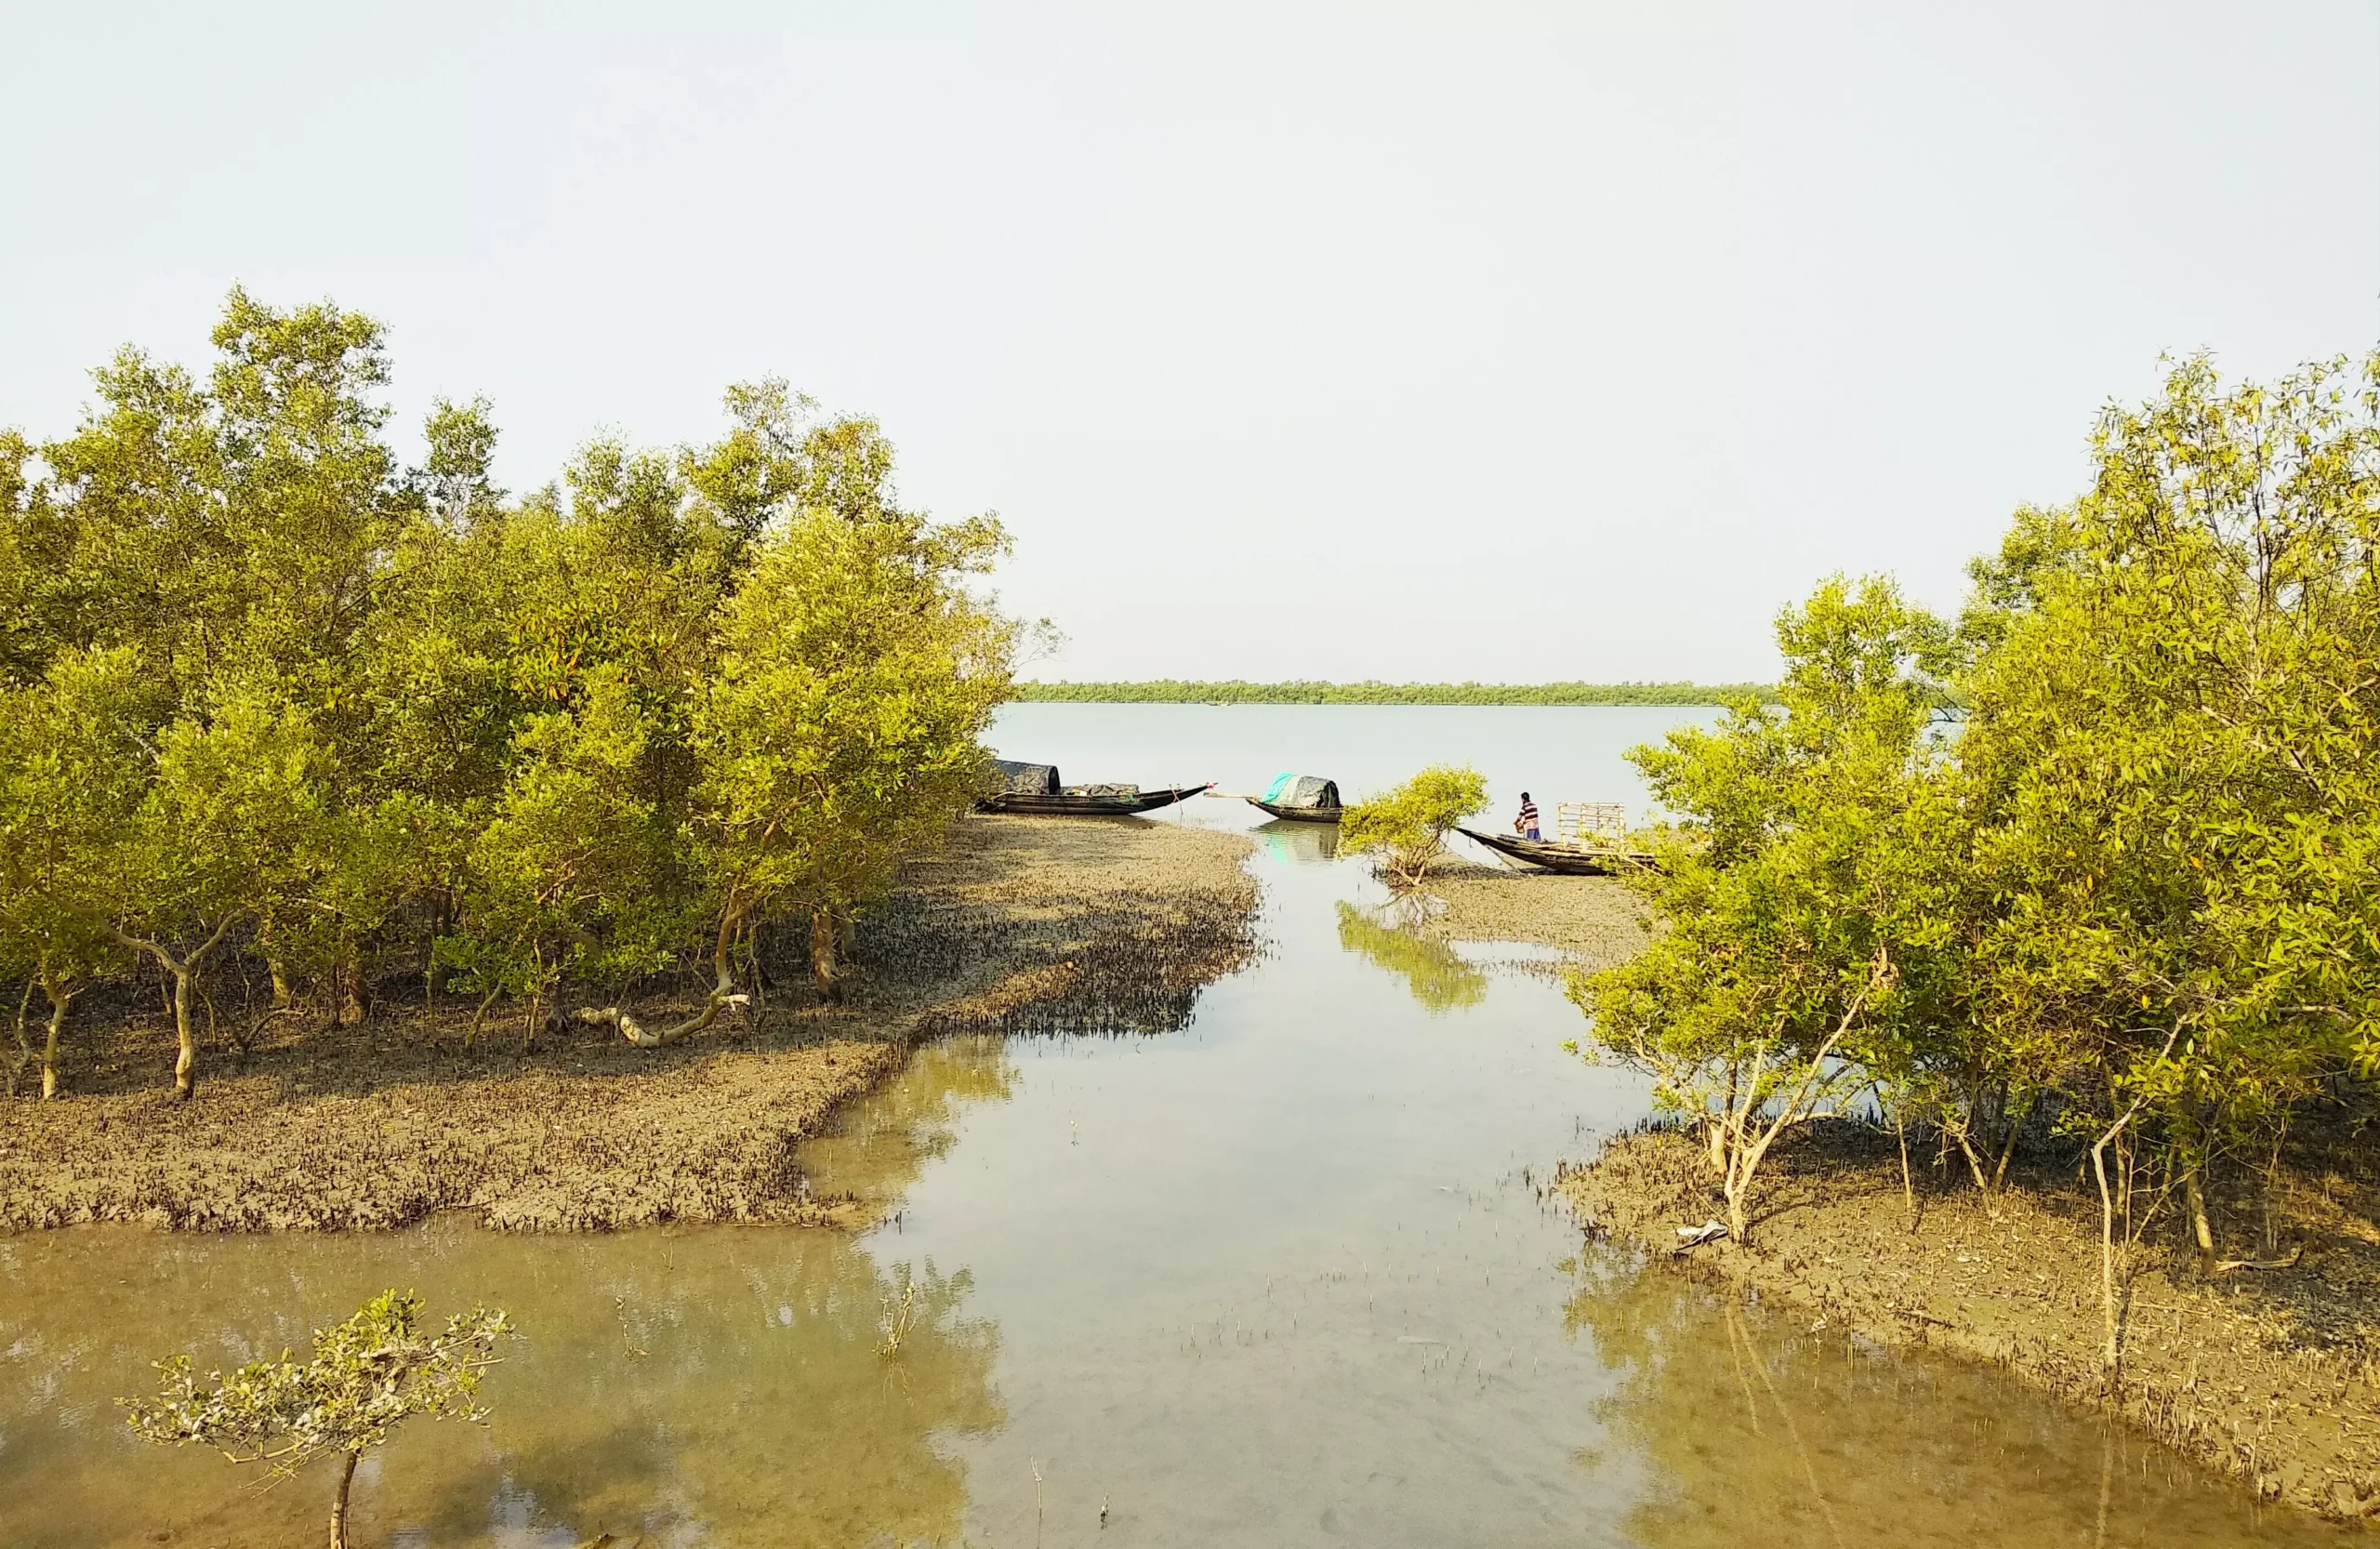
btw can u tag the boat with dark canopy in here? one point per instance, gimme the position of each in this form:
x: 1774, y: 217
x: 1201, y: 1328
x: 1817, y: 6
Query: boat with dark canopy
x: 1301, y: 799
x: 1035, y: 787
x: 1570, y: 860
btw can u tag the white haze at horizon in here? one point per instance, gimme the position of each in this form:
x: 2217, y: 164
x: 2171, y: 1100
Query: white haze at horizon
x: 1308, y: 341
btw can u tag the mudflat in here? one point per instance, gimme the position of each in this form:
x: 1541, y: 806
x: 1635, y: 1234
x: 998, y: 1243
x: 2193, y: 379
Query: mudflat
x: 2271, y: 1374
x: 1594, y: 921
x: 1058, y: 923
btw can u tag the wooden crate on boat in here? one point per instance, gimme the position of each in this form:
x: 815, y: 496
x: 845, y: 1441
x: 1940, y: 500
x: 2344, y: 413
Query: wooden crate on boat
x: 1584, y: 822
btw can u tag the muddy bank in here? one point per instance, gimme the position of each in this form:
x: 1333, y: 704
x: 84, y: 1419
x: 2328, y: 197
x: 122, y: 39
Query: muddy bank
x: 1064, y: 924
x: 2272, y: 1376
x: 1592, y: 921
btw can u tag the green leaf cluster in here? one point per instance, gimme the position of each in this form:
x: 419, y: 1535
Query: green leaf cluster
x: 1405, y: 829
x: 2097, y: 857
x: 275, y: 707
x: 365, y: 1377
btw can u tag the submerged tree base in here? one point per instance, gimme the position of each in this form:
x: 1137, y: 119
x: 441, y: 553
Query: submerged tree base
x: 1022, y: 924
x: 2272, y: 1376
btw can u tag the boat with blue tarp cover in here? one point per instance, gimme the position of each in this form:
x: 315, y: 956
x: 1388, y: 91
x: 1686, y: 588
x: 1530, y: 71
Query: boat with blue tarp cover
x: 1301, y: 799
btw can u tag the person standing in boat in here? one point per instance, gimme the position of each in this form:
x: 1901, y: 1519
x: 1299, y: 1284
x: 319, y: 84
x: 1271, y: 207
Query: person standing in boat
x: 1526, y: 824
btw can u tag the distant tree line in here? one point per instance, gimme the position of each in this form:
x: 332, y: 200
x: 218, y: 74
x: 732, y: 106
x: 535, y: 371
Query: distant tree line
x: 1174, y: 691
x: 280, y: 715
x: 2132, y: 899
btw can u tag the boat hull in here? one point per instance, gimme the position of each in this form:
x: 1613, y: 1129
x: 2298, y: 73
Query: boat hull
x: 1299, y: 814
x: 1020, y: 803
x: 1564, y: 859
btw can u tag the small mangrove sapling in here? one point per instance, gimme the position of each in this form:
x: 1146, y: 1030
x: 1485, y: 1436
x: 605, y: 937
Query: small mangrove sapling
x: 900, y: 1314
x: 1406, y: 828
x: 366, y: 1375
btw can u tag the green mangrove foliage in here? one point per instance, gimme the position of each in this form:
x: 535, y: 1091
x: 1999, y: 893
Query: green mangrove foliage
x: 2130, y: 900
x: 1404, y: 829
x: 281, y: 719
x: 1174, y: 691
x: 366, y: 1376
x: 1790, y: 890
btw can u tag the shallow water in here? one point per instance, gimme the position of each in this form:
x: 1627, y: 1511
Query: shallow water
x: 1283, y: 1276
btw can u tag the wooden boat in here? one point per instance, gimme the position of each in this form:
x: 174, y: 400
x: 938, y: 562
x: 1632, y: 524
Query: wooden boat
x: 1296, y: 815
x: 1083, y: 803
x: 1570, y: 860
x: 1035, y: 787
x: 1300, y: 798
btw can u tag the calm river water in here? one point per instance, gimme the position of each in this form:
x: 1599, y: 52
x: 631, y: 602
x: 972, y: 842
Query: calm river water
x: 1284, y: 1276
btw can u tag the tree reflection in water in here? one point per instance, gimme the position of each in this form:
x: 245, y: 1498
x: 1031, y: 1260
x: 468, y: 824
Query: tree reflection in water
x: 875, y: 1149
x: 712, y: 1385
x: 1756, y: 1429
x: 1434, y: 972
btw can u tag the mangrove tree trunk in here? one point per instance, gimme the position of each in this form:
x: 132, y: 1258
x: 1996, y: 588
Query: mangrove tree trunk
x: 338, y: 1501
x: 182, y: 970
x: 59, y: 997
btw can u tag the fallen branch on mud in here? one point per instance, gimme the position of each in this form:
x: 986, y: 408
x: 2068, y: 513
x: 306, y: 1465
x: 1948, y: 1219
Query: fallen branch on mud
x: 2227, y: 1265
x: 646, y: 1038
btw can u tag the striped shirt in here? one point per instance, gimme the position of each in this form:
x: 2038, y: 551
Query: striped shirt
x: 1527, y: 825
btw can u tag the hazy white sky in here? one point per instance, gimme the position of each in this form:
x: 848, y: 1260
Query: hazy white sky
x: 1486, y: 341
